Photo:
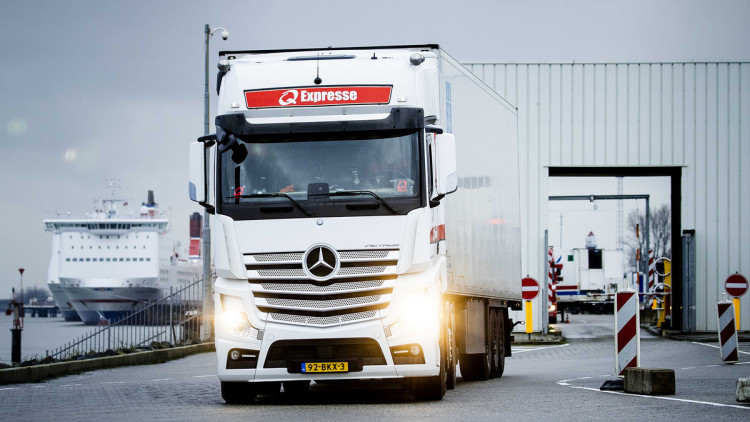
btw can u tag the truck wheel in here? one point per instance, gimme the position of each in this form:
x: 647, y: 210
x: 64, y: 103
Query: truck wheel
x: 431, y: 388
x: 450, y: 342
x: 495, y: 345
x: 500, y: 333
x: 238, y: 392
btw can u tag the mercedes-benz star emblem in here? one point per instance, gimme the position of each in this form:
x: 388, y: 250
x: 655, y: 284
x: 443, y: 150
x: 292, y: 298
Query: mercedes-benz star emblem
x: 321, y: 262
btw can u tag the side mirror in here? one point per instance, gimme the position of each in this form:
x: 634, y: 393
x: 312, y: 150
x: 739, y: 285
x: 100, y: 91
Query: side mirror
x: 197, y: 182
x: 447, y: 176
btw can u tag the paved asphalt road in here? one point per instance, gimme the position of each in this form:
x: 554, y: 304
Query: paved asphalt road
x: 541, y: 383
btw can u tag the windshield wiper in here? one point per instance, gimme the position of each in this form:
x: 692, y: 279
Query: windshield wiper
x: 273, y: 195
x: 361, y: 192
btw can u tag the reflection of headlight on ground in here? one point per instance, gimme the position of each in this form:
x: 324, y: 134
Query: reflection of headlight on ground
x: 233, y: 318
x: 419, y: 312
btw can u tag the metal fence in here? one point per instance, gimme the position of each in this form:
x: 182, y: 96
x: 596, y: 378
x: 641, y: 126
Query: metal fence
x: 175, y: 319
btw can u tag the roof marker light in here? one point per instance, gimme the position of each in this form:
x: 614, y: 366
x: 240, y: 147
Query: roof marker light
x: 416, y: 59
x: 224, y: 65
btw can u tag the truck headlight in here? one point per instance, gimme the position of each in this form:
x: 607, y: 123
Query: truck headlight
x: 234, y: 319
x: 420, y: 312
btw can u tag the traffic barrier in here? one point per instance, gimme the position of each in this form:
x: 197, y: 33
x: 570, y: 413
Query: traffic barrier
x: 727, y: 332
x: 627, y: 327
x: 551, y: 276
x: 650, y: 381
x: 651, y: 268
x: 743, y: 390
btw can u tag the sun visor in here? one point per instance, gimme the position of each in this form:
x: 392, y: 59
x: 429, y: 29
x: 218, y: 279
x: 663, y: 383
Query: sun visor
x: 399, y: 118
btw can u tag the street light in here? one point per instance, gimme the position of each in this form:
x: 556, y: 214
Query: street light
x: 208, y: 309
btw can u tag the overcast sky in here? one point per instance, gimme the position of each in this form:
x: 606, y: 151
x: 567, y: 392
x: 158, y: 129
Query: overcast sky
x: 91, y: 90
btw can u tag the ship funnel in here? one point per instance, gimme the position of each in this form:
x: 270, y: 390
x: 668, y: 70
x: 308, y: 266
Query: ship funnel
x: 196, y: 232
x: 151, y: 202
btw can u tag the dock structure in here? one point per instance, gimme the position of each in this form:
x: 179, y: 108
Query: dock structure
x: 42, y: 310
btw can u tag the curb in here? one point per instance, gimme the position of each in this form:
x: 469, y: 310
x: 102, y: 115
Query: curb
x: 39, y: 373
x: 702, y: 337
x: 526, y: 339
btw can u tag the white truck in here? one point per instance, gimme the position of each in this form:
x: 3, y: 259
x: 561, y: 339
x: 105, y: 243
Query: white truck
x: 591, y: 279
x: 353, y: 237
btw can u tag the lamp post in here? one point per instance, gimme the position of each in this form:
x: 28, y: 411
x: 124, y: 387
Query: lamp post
x: 208, y: 309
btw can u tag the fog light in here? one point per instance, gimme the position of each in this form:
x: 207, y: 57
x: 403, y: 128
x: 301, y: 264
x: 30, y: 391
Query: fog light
x: 234, y: 354
x: 415, y: 350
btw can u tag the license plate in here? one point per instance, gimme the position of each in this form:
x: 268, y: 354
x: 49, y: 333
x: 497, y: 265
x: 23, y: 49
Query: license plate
x: 309, y: 367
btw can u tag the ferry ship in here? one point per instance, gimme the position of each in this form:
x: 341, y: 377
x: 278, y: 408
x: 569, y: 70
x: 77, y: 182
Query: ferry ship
x: 111, y: 264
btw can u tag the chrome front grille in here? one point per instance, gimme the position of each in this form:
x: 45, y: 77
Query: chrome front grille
x: 277, y: 257
x: 322, y: 304
x: 357, y: 291
x: 282, y: 273
x: 323, y: 321
x: 303, y: 287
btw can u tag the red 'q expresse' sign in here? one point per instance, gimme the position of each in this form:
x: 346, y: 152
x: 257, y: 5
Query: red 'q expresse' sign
x: 318, y: 96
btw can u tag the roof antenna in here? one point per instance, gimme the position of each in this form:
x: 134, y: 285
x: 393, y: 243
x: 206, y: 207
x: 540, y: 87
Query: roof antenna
x: 317, y: 80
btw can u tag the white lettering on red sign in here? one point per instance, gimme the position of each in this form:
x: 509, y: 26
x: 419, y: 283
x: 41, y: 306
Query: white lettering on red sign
x: 318, y: 96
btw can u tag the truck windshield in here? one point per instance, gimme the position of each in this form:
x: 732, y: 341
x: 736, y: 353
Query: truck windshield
x: 319, y: 172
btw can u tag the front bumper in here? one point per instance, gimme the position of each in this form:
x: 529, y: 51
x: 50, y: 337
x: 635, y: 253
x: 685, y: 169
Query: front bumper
x: 370, y: 330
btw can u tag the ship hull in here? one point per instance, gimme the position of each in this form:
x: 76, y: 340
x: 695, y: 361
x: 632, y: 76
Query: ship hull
x: 63, y: 303
x: 107, y: 305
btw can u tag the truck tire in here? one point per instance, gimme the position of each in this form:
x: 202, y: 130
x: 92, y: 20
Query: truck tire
x: 498, y: 359
x: 495, y: 345
x: 238, y: 392
x: 431, y: 388
x: 451, y: 349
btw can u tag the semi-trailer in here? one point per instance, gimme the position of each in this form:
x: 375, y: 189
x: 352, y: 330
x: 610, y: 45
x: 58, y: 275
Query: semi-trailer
x: 364, y: 219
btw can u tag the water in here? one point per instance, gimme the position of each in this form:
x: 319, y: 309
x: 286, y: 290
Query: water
x: 39, y: 335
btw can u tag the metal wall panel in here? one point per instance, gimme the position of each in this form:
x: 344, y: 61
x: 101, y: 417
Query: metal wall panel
x: 692, y: 115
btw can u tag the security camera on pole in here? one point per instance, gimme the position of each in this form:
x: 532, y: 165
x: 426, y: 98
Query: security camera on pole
x: 208, y: 301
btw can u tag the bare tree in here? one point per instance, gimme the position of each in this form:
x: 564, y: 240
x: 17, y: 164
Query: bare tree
x: 661, y: 236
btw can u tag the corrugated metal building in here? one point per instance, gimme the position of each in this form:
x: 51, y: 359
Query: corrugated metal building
x: 690, y: 121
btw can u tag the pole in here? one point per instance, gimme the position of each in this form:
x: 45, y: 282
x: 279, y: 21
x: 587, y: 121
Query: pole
x: 545, y: 291
x: 15, y: 353
x: 15, y: 337
x: 529, y: 318
x: 207, y: 332
x: 648, y: 226
x: 171, y: 312
x: 736, y: 302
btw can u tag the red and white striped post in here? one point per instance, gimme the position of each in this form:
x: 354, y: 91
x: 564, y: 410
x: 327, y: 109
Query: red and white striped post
x: 651, y: 268
x: 727, y: 332
x: 551, y: 277
x: 627, y: 327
